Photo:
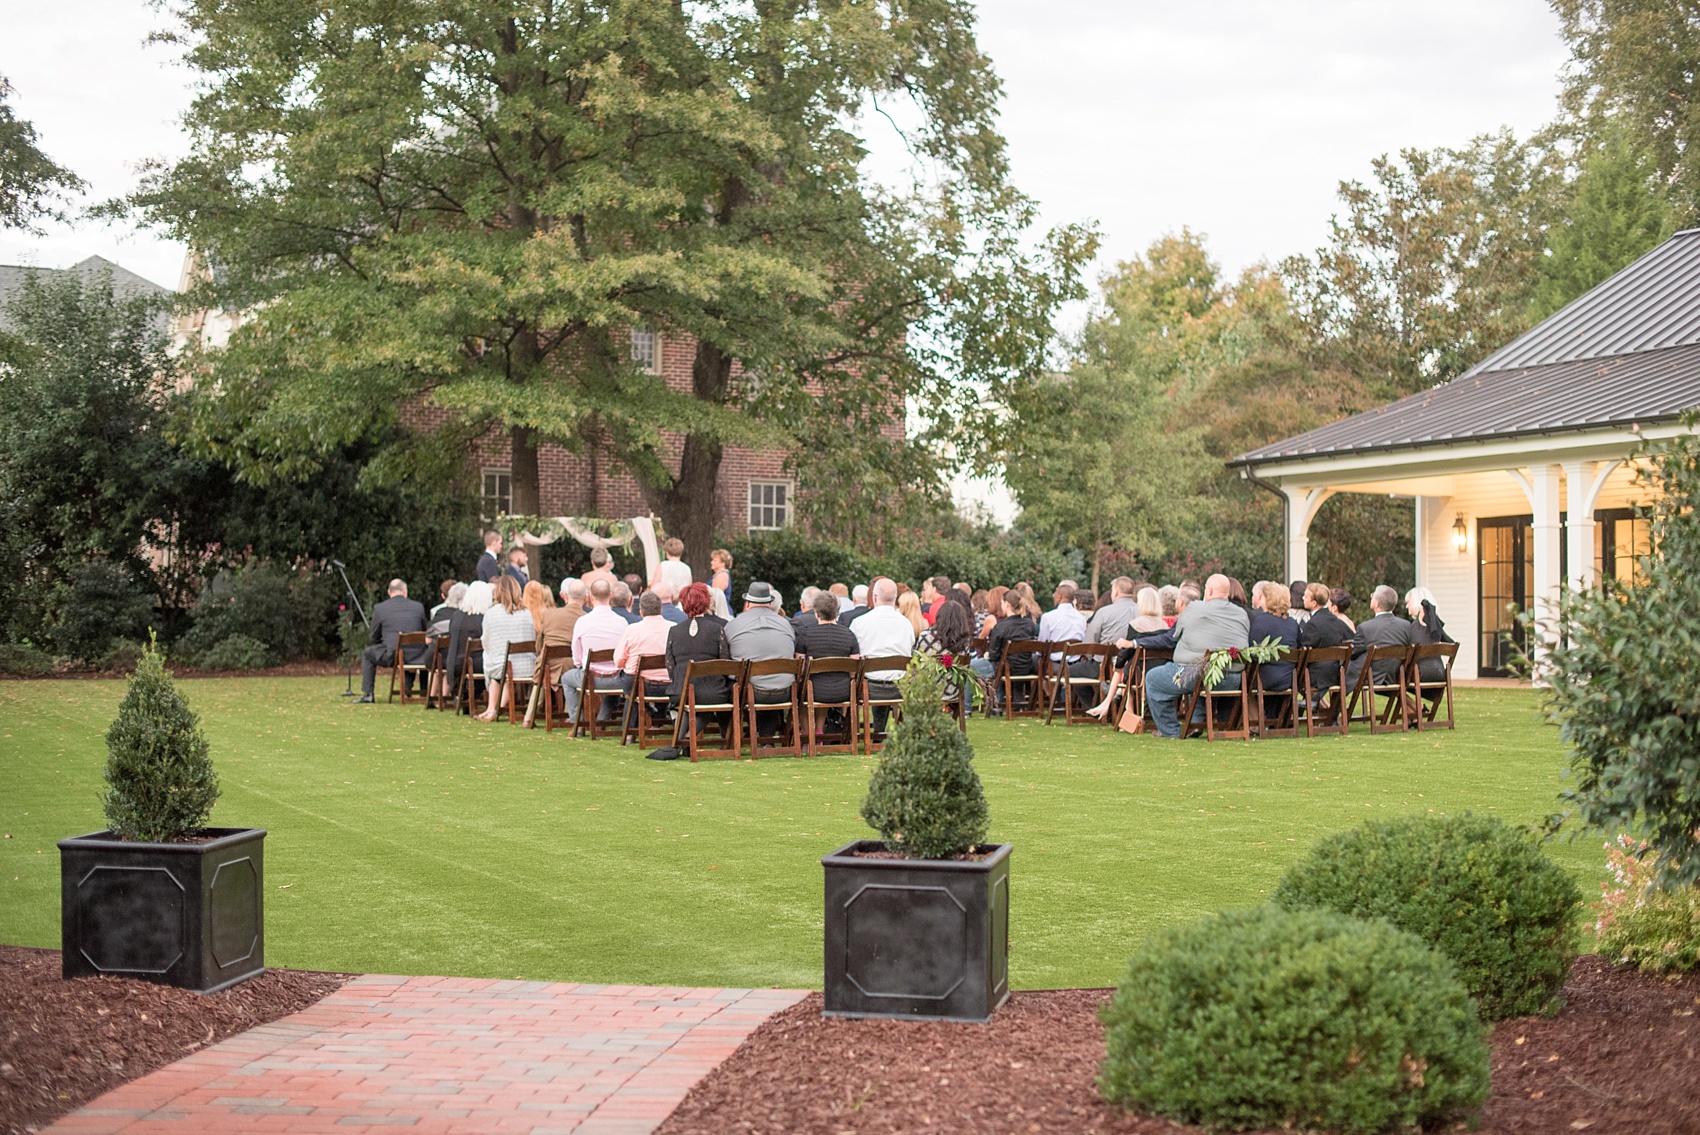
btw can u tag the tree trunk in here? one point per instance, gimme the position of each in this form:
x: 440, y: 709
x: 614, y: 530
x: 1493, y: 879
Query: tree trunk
x: 687, y: 506
x: 527, y: 491
x: 1097, y: 562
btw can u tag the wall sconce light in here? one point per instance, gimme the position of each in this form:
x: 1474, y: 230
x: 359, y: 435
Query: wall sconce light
x: 1461, y: 535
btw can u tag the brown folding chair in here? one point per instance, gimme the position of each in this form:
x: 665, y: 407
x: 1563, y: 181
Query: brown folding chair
x: 640, y: 722
x: 550, y: 701
x: 436, y: 670
x: 1281, y: 720
x: 1394, y: 714
x: 1133, y: 690
x: 731, y: 724
x: 589, y: 696
x: 864, y: 695
x: 978, y: 648
x: 401, y: 669
x: 1067, y: 682
x: 512, y: 683
x: 1034, y: 682
x: 791, y: 733
x: 845, y: 739
x: 466, y: 689
x: 1239, y: 719
x: 1426, y: 696
x: 1324, y: 703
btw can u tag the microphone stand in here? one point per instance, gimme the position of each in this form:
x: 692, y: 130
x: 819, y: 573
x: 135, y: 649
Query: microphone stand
x: 355, y: 599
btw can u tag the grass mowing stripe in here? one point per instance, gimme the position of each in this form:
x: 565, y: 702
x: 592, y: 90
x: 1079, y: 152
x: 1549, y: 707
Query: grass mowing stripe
x: 413, y: 842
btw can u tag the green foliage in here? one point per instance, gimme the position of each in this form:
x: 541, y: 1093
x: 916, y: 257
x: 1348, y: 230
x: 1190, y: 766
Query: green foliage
x: 125, y: 654
x: 924, y: 797
x: 24, y: 660
x: 1623, y: 689
x: 1478, y: 890
x: 236, y: 652
x: 1656, y: 929
x: 1617, y: 211
x: 1309, y: 1019
x: 30, y: 181
x: 261, y: 615
x: 98, y: 603
x: 791, y: 560
x: 160, y: 784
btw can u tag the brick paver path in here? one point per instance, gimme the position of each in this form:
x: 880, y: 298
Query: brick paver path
x: 448, y: 1055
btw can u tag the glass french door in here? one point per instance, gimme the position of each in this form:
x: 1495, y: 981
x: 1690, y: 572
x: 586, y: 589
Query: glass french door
x: 1506, y: 576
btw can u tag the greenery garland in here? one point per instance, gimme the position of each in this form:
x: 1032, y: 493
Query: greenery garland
x: 1217, y: 662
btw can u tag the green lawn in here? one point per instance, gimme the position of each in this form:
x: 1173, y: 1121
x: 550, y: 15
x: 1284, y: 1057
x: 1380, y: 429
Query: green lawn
x: 411, y: 842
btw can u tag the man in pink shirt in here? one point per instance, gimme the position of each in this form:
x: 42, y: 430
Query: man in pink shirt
x: 600, y: 629
x: 646, y: 636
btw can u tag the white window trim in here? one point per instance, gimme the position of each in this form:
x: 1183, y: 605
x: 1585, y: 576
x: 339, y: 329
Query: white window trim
x: 790, y: 488
x: 655, y: 365
x: 485, y: 499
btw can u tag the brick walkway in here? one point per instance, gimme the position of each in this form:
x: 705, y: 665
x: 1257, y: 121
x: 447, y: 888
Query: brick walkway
x: 448, y: 1055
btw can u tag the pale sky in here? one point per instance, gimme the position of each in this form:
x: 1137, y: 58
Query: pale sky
x: 1235, y: 117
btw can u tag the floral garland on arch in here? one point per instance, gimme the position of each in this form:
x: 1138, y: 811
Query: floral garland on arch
x: 1216, y: 663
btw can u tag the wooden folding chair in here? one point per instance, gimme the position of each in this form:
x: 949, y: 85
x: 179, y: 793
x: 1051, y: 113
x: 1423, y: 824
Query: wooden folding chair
x: 845, y: 739
x: 1283, y: 720
x: 639, y: 723
x: 589, y: 696
x: 1034, y: 683
x: 791, y: 733
x: 549, y: 699
x: 401, y: 669
x: 1427, y: 696
x: 1393, y: 715
x: 466, y: 689
x: 732, y: 729
x: 512, y: 684
x: 1324, y: 703
x: 436, y: 671
x: 1239, y: 718
x: 1133, y: 690
x: 864, y: 695
x: 1067, y: 682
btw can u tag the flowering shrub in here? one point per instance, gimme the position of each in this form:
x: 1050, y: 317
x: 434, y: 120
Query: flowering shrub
x: 1641, y: 925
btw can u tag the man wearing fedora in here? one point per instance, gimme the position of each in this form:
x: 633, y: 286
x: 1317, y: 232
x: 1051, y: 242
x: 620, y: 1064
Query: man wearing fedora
x: 761, y: 633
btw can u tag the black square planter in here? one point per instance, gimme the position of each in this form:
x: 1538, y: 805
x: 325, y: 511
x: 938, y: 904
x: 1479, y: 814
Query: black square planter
x: 926, y: 939
x: 185, y: 914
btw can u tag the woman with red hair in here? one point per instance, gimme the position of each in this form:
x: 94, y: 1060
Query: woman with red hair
x: 700, y: 638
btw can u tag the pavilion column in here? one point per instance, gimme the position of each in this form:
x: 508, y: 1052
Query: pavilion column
x: 1581, y: 485
x: 1302, y: 504
x: 1544, y: 498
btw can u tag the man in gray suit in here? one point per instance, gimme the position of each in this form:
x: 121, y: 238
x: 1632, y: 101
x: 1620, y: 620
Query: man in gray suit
x: 1382, y: 628
x: 390, y: 620
x: 1211, y: 624
x: 759, y: 634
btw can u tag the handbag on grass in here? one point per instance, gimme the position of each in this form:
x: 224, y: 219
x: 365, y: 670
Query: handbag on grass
x: 1130, y: 721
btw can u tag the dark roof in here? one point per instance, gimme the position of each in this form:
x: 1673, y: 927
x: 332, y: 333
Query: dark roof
x: 124, y: 282
x: 1628, y: 351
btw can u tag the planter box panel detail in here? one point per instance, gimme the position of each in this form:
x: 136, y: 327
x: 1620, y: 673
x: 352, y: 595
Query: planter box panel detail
x: 185, y: 914
x: 922, y: 939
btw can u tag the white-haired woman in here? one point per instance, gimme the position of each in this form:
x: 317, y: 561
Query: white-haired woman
x: 465, y: 624
x: 1426, y: 627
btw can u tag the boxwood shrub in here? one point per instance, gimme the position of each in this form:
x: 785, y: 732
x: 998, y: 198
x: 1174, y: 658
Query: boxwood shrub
x: 1475, y: 888
x: 1304, y: 1019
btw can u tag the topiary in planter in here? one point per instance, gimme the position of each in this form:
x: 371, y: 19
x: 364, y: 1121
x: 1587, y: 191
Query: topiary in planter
x: 160, y: 783
x: 1475, y: 888
x: 924, y: 797
x: 1303, y: 1019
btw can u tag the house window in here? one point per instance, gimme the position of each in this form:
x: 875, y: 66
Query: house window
x: 770, y: 505
x: 1621, y: 544
x: 498, y: 493
x: 646, y: 349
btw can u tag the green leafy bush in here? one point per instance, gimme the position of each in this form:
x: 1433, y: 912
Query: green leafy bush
x: 124, y: 654
x: 99, y: 603
x: 290, y: 614
x: 238, y: 652
x: 1306, y: 1019
x: 23, y: 659
x: 1478, y: 890
x: 160, y: 785
x: 924, y: 797
x: 1642, y: 924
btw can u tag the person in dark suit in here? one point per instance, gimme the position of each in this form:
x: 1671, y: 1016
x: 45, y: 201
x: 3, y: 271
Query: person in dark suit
x: 1382, y: 628
x: 518, y: 565
x: 490, y: 563
x: 823, y: 637
x: 857, y: 605
x: 1323, y: 628
x: 392, y: 618
x: 1269, y: 619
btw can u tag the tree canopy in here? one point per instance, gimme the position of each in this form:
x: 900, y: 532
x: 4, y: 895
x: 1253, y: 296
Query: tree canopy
x: 33, y: 187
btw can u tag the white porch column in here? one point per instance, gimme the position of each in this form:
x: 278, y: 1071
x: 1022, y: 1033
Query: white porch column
x: 1544, y: 498
x: 1427, y: 509
x: 1302, y: 504
x: 1579, y: 523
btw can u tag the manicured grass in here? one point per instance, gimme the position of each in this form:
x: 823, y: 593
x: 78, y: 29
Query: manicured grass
x: 420, y: 843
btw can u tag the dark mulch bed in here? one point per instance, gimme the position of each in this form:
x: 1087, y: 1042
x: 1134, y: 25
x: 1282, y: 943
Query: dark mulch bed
x: 62, y: 1043
x: 1619, y: 1059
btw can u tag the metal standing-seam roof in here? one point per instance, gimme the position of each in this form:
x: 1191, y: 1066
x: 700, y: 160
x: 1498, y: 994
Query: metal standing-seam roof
x: 1627, y: 351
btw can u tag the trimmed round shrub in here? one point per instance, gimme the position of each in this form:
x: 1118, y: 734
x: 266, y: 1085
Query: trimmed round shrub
x: 1305, y: 1019
x: 1476, y: 889
x: 924, y: 797
x: 238, y: 652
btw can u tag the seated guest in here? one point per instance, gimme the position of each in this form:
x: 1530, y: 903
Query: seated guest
x: 537, y: 600
x: 994, y: 611
x: 558, y: 624
x: 442, y: 623
x: 1170, y: 594
x: 1382, y: 628
x: 1147, y: 620
x: 848, y: 613
x: 443, y: 590
x: 669, y: 609
x: 601, y: 628
x: 466, y: 624
x: 506, y: 623
x: 1015, y: 624
x: 599, y: 569
x: 964, y: 600
x: 1426, y: 628
x: 977, y: 602
x: 1086, y: 602
x: 443, y: 613
x: 759, y: 634
x: 805, y: 615
x: 909, y: 606
x: 1237, y: 595
x: 1213, y: 623
x: 932, y: 594
x: 1340, y: 601
x: 1110, y: 619
x: 1323, y: 628
x: 700, y: 638
x: 951, y: 633
x: 1296, y: 598
x: 882, y: 632
x: 490, y: 563
x: 646, y: 636
x: 394, y: 617
x: 634, y: 588
x: 824, y: 638
x: 718, y: 606
x: 620, y: 598
x: 1063, y: 622
x: 1270, y: 620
